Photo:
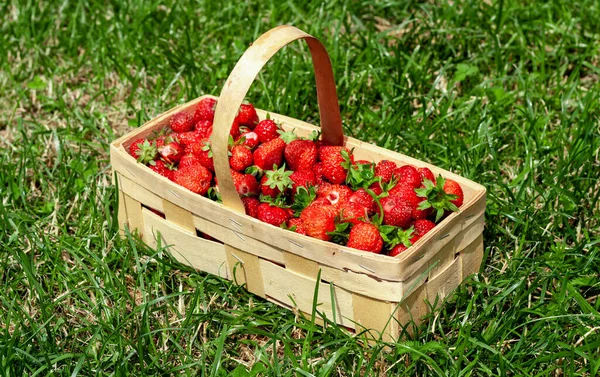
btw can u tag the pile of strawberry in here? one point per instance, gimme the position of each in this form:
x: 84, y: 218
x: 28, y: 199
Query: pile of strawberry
x: 304, y: 184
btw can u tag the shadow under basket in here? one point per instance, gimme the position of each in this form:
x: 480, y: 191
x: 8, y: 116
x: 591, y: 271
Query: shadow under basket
x: 358, y: 290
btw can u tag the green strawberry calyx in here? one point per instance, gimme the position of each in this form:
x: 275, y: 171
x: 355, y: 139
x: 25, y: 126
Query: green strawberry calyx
x: 436, y: 198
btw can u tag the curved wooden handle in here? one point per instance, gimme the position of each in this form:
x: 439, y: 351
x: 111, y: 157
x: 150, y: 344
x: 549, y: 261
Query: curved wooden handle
x: 236, y: 87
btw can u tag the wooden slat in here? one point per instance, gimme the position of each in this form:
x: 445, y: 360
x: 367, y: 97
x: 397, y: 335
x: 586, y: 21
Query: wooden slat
x: 412, y: 307
x: 179, y: 216
x: 471, y: 257
x: 245, y: 269
x: 445, y: 282
x: 139, y: 193
x: 297, y: 291
x: 122, y: 215
x: 238, y: 240
x: 371, y: 314
x: 188, y: 249
x: 362, y: 284
x: 301, y: 266
x: 134, y: 215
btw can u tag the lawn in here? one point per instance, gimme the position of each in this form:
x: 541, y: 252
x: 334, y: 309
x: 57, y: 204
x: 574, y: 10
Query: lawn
x: 504, y: 93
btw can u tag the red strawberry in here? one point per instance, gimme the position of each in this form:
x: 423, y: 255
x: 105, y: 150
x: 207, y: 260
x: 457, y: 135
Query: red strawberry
x: 203, y: 151
x: 408, y: 175
x: 376, y: 188
x: 181, y: 122
x: 135, y: 147
x: 273, y: 184
x: 245, y: 184
x: 353, y: 212
x: 266, y: 130
x: 318, y: 170
x: 298, y: 224
x: 189, y: 159
x: 453, y: 188
x: 397, y: 211
x: 204, y: 128
x: 362, y: 197
x: 301, y: 154
x: 251, y: 206
x: 333, y: 158
x: 250, y: 139
x: 247, y: 116
x: 398, y: 249
x: 143, y: 150
x: 302, y: 178
x: 385, y: 169
x: 171, y: 152
x: 426, y: 174
x: 271, y: 214
x: 407, y: 193
x: 205, y: 110
x: 364, y: 236
x: 241, y: 158
x: 187, y: 138
x: 235, y: 129
x: 318, y: 220
x: 422, y: 227
x: 335, y: 194
x: 161, y: 168
x: 195, y: 178
x: 269, y: 154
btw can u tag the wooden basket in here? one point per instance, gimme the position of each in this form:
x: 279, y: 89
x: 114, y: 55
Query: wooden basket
x: 358, y: 290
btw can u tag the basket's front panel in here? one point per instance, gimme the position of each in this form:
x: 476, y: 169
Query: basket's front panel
x: 187, y: 248
x: 297, y: 291
x: 246, y: 269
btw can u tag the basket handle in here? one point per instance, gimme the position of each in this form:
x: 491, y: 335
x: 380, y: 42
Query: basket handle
x: 236, y: 87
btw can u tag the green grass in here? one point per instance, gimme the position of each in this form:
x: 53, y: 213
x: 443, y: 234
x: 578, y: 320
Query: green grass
x: 505, y: 93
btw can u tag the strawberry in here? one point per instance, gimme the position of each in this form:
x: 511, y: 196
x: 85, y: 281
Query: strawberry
x: 204, y: 153
x: 353, y: 212
x: 453, y: 188
x: 318, y: 170
x: 435, y: 197
x: 335, y: 194
x: 408, y: 175
x: 189, y: 159
x: 319, y: 220
x: 426, y: 174
x: 398, y: 249
x: 241, y: 158
x: 333, y: 158
x: 407, y: 193
x: 204, y: 128
x: 422, y: 227
x: 250, y: 139
x: 385, y: 169
x: 135, y: 147
x: 181, y: 122
x: 269, y: 154
x: 364, y: 236
x: 187, y: 138
x: 302, y: 178
x: 195, y: 178
x: 303, y: 197
x: 251, y: 205
x: 247, y: 116
x: 205, y: 110
x: 171, y: 152
x: 161, y: 168
x: 275, y: 182
x: 235, y: 129
x: 397, y: 211
x: 245, y: 184
x: 143, y: 150
x: 301, y: 154
x: 271, y: 214
x: 266, y: 130
x: 297, y: 225
x: 362, y: 197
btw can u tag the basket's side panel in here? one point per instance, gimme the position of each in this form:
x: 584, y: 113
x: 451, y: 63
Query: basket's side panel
x: 412, y: 307
x: 245, y: 268
x: 135, y: 220
x: 122, y: 215
x: 471, y: 257
x: 187, y: 248
x: 296, y: 291
x: 301, y: 266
